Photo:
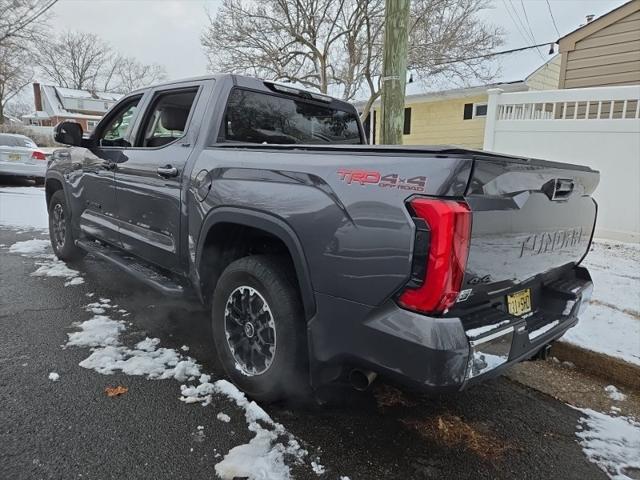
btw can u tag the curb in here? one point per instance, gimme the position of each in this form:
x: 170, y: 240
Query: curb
x: 616, y: 371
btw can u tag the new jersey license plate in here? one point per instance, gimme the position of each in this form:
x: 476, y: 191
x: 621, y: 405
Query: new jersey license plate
x: 519, y: 303
x: 14, y: 157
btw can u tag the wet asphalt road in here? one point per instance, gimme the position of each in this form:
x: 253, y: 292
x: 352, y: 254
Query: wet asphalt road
x: 71, y: 429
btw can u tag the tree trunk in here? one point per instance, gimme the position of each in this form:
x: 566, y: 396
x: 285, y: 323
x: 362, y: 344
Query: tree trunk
x: 394, y: 70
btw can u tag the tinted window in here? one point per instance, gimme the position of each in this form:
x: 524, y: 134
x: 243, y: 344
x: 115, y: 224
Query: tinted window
x: 255, y: 117
x: 167, y: 118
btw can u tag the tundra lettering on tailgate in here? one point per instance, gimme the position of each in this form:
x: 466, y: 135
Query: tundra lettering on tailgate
x: 546, y: 242
x: 392, y: 180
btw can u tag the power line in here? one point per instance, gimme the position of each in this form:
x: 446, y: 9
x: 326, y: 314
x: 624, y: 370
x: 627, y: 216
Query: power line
x: 553, y: 19
x: 526, y: 17
x: 524, y: 37
x: 492, y: 54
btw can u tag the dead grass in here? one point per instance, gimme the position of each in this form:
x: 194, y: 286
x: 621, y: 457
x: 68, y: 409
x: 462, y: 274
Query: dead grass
x: 454, y: 432
x: 388, y: 396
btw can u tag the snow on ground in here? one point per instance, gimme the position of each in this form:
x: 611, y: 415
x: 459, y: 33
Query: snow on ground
x: 614, y: 394
x: 53, y: 376
x: 33, y: 246
x: 267, y: 453
x: 611, y: 323
x: 266, y: 456
x: 48, y: 264
x: 612, y: 443
x: 223, y: 417
x: 23, y: 207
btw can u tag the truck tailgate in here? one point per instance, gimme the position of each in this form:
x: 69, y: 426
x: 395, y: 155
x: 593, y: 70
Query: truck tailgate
x: 530, y: 218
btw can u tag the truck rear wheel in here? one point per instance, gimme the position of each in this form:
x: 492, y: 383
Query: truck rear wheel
x: 60, y: 231
x: 258, y: 328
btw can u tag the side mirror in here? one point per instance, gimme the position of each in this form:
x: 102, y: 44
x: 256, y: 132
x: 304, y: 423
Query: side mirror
x: 68, y: 133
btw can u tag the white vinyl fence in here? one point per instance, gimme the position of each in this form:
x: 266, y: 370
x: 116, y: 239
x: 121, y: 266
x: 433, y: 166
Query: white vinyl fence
x: 598, y: 127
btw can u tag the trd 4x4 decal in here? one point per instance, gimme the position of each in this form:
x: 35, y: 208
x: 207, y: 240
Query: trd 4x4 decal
x: 391, y: 180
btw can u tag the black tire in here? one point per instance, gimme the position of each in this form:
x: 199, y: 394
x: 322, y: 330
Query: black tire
x: 270, y: 277
x: 60, y: 231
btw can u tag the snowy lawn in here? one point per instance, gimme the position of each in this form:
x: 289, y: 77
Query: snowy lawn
x: 611, y: 323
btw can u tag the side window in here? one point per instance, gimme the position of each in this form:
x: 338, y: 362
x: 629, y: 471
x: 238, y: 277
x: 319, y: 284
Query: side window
x: 113, y: 133
x: 166, y: 119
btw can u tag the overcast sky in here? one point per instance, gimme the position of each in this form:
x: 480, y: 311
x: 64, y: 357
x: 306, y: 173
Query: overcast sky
x: 168, y: 32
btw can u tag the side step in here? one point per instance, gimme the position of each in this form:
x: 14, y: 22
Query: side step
x: 133, y: 266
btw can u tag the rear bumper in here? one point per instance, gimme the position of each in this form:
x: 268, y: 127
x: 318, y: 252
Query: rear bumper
x: 23, y: 169
x: 438, y: 354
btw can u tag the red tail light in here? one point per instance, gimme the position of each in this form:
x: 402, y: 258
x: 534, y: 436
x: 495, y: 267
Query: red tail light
x: 449, y: 224
x: 36, y: 155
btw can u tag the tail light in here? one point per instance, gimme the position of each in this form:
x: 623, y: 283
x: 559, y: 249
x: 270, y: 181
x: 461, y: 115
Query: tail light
x: 446, y: 232
x: 37, y: 155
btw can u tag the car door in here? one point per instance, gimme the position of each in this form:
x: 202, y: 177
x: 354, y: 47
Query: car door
x: 95, y: 184
x: 148, y: 179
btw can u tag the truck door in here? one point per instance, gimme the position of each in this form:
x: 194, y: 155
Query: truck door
x: 148, y: 181
x: 96, y: 187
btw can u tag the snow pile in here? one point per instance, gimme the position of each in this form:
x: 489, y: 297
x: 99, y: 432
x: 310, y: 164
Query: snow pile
x: 223, y: 417
x: 615, y: 394
x: 53, y: 376
x: 265, y: 456
x: 99, y: 331
x: 52, y: 267
x: 612, y: 443
x: 27, y: 247
x: 611, y: 323
x: 143, y: 360
x: 317, y: 468
x: 48, y: 264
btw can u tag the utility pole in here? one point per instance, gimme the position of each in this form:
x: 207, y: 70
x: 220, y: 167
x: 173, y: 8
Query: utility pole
x: 394, y: 70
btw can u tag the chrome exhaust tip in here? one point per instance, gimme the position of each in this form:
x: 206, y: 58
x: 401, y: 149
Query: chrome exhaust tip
x: 362, y: 379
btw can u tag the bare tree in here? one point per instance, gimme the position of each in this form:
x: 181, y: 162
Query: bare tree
x: 15, y: 74
x: 22, y: 19
x: 74, y: 59
x: 22, y: 22
x: 125, y: 74
x: 84, y: 61
x: 335, y: 46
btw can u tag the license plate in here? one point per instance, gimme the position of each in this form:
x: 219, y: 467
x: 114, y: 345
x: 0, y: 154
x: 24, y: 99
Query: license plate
x: 519, y: 303
x: 14, y: 157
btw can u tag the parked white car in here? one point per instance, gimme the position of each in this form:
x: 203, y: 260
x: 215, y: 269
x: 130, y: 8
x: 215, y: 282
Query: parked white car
x: 20, y: 156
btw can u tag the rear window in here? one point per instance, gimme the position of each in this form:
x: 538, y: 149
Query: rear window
x: 16, y: 141
x: 253, y: 117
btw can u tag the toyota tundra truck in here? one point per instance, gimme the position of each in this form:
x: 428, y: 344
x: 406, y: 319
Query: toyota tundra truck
x: 321, y: 258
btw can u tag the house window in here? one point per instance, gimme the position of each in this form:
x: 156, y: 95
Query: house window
x: 479, y: 110
x: 91, y: 124
x: 407, y: 121
x: 474, y: 110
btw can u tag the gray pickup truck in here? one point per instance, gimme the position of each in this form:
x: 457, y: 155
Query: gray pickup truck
x: 324, y: 259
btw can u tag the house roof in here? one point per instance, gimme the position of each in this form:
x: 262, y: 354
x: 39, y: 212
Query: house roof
x: 54, y: 98
x: 82, y: 94
x: 568, y: 41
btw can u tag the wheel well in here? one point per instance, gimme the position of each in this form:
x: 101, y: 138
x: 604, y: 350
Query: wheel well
x: 227, y: 242
x: 51, y: 187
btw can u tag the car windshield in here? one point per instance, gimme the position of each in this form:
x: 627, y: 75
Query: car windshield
x: 16, y: 141
x: 255, y: 117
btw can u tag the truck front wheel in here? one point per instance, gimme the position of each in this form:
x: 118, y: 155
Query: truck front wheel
x: 258, y: 328
x: 60, y: 230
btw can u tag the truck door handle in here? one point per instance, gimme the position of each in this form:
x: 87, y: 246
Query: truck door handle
x: 167, y: 171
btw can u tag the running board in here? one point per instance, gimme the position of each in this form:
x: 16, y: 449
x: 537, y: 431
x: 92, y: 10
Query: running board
x: 134, y: 267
